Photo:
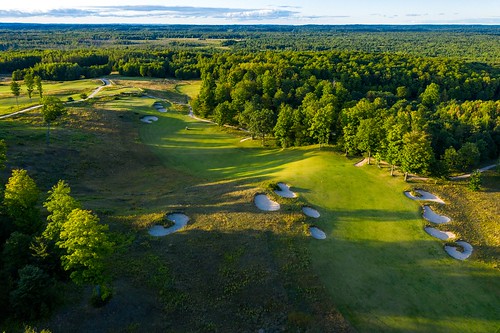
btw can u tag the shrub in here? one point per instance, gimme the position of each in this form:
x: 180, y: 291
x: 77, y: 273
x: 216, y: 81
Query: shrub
x: 34, y: 294
x: 475, y: 181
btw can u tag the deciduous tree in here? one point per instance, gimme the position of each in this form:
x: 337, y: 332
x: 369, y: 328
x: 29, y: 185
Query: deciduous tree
x: 15, y: 87
x: 417, y: 155
x: 39, y: 86
x: 52, y: 108
x: 59, y: 204
x: 30, y: 84
x: 20, y: 198
x: 87, y: 245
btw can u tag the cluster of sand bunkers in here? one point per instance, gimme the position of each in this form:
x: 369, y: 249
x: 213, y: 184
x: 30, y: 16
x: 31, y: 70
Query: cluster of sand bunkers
x: 151, y: 119
x: 159, y: 107
x: 263, y: 202
x: 437, y: 219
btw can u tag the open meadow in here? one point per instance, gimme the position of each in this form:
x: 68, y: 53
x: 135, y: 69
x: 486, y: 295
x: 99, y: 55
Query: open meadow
x: 62, y: 90
x: 234, y: 267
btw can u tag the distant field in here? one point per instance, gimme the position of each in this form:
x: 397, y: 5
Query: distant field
x: 63, y: 90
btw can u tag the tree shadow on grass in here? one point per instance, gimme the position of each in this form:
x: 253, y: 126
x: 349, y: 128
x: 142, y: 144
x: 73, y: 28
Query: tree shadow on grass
x: 232, y: 280
x: 407, y: 286
x: 221, y: 280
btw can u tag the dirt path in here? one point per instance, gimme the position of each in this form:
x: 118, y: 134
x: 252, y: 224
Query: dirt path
x: 105, y: 82
x: 467, y: 175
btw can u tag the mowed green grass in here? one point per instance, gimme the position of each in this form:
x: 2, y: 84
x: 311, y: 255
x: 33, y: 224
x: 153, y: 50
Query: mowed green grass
x: 381, y: 269
x: 62, y: 90
x: 189, y: 88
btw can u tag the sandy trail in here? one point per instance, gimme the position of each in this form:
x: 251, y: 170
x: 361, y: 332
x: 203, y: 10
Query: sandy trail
x: 467, y: 175
x: 362, y: 162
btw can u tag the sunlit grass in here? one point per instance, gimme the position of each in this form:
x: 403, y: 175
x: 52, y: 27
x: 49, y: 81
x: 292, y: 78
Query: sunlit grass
x: 383, y: 271
x: 62, y: 90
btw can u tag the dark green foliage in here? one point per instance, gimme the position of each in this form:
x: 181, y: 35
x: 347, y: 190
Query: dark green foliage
x: 29, y: 81
x: 431, y: 96
x: 16, y: 253
x: 34, y: 293
x: 417, y: 155
x: 15, y: 88
x: 39, y: 85
x: 261, y: 123
x: 3, y: 154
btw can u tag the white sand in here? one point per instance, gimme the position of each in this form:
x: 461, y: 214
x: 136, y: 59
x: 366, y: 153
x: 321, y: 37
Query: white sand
x: 442, y: 235
x: 180, y: 221
x: 246, y: 139
x: 285, y: 191
x: 264, y: 203
x: 453, y: 250
x: 149, y: 119
x: 311, y: 212
x: 317, y: 233
x: 425, y: 196
x: 159, y: 107
x: 431, y: 216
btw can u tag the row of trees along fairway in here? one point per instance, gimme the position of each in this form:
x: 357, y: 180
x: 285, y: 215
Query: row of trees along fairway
x: 410, y: 111
x: 38, y: 255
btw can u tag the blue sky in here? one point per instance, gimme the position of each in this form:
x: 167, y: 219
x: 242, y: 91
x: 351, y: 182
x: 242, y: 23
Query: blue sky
x: 253, y: 12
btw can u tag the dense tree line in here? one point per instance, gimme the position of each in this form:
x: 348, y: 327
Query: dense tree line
x: 72, y: 65
x: 421, y: 114
x: 38, y: 254
x: 471, y: 43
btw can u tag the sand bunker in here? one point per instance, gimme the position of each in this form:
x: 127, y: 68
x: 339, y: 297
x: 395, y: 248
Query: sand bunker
x: 424, y: 196
x: 246, y: 139
x: 180, y: 221
x: 159, y: 107
x: 431, y: 216
x: 317, y: 233
x: 455, y: 253
x: 264, y: 203
x: 442, y: 235
x: 311, y: 212
x: 149, y: 119
x: 284, y: 191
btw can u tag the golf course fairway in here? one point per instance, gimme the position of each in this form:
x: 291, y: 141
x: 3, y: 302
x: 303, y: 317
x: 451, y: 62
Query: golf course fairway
x: 381, y: 269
